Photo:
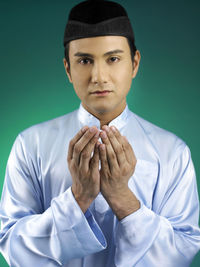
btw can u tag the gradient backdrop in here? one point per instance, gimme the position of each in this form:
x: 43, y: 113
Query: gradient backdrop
x: 34, y: 88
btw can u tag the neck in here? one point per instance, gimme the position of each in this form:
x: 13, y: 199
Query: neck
x: 106, y: 117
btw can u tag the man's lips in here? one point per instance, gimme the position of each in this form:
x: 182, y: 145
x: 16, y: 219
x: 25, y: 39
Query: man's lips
x: 101, y: 93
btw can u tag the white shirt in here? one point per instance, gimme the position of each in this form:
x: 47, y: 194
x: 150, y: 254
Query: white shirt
x: 42, y: 224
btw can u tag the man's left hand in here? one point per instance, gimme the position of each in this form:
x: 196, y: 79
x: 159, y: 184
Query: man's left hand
x: 117, y: 166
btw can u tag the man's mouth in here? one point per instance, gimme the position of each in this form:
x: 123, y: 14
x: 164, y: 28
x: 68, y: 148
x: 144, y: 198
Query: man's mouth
x: 101, y: 93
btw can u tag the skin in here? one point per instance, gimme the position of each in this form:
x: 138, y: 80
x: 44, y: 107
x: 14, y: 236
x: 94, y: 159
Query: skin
x: 83, y: 168
x: 101, y: 71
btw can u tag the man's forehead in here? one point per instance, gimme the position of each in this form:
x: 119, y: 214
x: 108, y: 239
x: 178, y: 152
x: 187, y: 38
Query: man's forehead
x: 102, y: 44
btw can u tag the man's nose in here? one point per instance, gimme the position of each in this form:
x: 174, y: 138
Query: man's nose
x: 99, y: 73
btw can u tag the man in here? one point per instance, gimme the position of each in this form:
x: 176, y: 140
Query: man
x: 126, y: 195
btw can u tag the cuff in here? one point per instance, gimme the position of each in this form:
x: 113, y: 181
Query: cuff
x: 80, y: 231
x: 135, y: 234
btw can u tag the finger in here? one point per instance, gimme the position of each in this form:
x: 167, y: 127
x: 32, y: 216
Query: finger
x: 130, y: 155
x: 74, y: 140
x: 94, y: 162
x: 103, y: 158
x: 116, y: 145
x: 86, y: 153
x: 111, y: 156
x: 128, y: 150
x: 82, y: 142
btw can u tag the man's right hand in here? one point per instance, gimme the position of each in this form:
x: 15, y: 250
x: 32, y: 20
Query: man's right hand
x: 84, y: 169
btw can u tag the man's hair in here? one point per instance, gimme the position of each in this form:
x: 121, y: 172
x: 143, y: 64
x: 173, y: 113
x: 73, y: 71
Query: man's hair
x: 93, y: 18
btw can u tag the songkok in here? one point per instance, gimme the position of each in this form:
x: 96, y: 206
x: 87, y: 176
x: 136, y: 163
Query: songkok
x: 98, y: 18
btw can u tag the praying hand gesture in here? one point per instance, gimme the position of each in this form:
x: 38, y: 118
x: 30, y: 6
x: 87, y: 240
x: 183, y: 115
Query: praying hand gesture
x: 117, y: 166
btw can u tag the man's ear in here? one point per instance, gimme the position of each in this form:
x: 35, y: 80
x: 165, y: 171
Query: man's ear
x: 67, y: 70
x: 136, y: 63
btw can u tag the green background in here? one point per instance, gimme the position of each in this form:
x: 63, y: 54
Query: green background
x: 34, y: 87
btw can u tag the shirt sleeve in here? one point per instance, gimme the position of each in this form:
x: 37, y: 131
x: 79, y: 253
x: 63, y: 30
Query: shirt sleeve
x: 29, y: 235
x: 168, y: 235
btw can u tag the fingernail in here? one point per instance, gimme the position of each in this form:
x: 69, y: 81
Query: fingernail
x: 114, y: 129
x: 92, y: 130
x: 103, y: 134
x: 107, y: 128
x: 84, y: 129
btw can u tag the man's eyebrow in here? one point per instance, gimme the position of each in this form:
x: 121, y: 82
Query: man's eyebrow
x: 82, y: 54
x: 116, y: 51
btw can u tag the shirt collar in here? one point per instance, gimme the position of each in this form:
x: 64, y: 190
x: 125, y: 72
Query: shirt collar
x: 88, y: 119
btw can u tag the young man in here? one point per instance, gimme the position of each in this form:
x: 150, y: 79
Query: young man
x: 126, y: 195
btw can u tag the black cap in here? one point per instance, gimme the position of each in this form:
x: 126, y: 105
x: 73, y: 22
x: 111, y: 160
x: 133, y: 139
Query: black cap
x: 97, y: 18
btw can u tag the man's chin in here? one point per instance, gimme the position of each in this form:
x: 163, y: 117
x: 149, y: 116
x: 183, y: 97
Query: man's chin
x: 102, y: 109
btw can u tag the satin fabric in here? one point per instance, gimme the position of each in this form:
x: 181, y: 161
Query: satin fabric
x: 42, y: 224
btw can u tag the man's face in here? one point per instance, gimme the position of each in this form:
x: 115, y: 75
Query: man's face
x: 101, y: 71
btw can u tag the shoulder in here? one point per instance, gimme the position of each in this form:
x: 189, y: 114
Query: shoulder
x: 164, y: 142
x: 47, y: 133
x: 51, y: 126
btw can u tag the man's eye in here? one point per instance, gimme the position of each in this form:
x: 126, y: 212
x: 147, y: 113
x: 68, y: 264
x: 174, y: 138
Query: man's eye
x: 113, y: 59
x: 85, y: 61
